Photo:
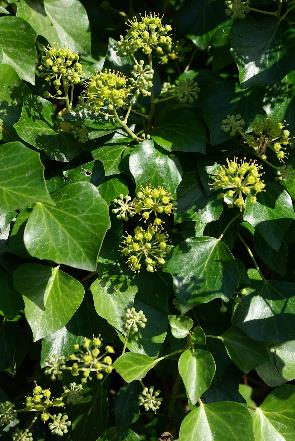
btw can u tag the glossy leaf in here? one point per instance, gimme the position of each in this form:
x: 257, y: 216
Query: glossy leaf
x: 51, y: 297
x: 17, y: 47
x: 275, y: 418
x: 21, y: 177
x: 203, y: 269
x: 126, y: 405
x: 133, y: 367
x: 244, y: 352
x: 111, y: 156
x: 267, y: 314
x: 197, y: 369
x: 180, y: 325
x: 222, y: 421
x: 149, y: 166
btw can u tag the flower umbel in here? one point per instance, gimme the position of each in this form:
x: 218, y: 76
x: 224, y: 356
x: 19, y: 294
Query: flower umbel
x: 155, y: 200
x: 22, y: 435
x: 146, y: 246
x: 125, y: 207
x: 150, y: 36
x: 149, y: 399
x: 107, y: 91
x: 268, y: 133
x: 233, y: 124
x: 54, y: 366
x: 59, y: 425
x: 134, y: 319
x: 7, y: 413
x: 239, y: 180
x: 73, y: 393
x: 187, y: 91
x: 237, y: 8
x: 142, y: 80
x: 88, y: 359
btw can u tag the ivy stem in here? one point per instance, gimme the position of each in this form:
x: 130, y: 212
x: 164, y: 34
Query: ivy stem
x: 217, y: 337
x: 125, y: 127
x: 228, y: 225
x: 260, y: 11
x: 179, y: 351
x: 251, y: 255
x: 153, y: 104
x: 125, y: 341
x: 66, y: 97
x: 139, y: 113
x: 190, y: 60
x: 127, y: 114
x: 161, y: 100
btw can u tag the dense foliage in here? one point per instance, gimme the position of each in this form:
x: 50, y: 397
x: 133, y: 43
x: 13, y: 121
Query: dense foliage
x: 147, y: 179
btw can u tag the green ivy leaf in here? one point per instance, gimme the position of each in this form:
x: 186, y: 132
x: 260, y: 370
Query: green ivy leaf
x: 37, y: 126
x: 126, y: 405
x: 203, y: 269
x: 243, y: 351
x: 197, y: 369
x: 17, y: 47
x: 267, y: 314
x: 115, y: 434
x: 271, y: 215
x: 112, y: 188
x: 10, y: 300
x: 133, y: 366
x: 51, y: 297
x: 111, y: 156
x: 180, y: 131
x: 55, y: 233
x: 21, y: 177
x: 180, y: 325
x: 71, y: 23
x: 260, y: 50
x: 275, y: 418
x: 222, y: 421
x: 149, y: 166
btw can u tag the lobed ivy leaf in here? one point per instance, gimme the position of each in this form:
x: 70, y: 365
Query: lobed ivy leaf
x: 51, y: 297
x: 197, y: 369
x: 275, y: 418
x: 17, y: 47
x: 222, y: 421
x: 55, y: 233
x: 267, y: 314
x: 203, y: 269
x: 271, y: 215
x: 21, y: 178
x: 149, y: 166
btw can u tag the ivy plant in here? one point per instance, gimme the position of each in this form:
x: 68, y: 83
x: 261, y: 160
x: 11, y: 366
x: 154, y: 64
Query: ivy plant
x: 147, y: 182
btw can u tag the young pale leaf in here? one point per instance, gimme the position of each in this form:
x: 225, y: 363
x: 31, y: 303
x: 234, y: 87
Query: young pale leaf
x: 275, y: 418
x: 259, y: 48
x: 51, y: 297
x: 180, y: 131
x: 180, y: 325
x: 133, y: 367
x: 267, y: 313
x: 222, y: 421
x: 17, y: 47
x: 55, y: 233
x: 203, y: 269
x: 271, y: 215
x: 149, y: 166
x: 71, y: 23
x: 197, y: 369
x: 244, y: 352
x: 21, y: 177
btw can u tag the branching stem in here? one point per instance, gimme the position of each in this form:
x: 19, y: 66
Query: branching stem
x: 252, y: 256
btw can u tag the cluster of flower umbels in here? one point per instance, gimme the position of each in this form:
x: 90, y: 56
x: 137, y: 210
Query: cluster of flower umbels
x: 149, y: 244
x: 237, y: 8
x: 238, y: 180
x: 88, y: 360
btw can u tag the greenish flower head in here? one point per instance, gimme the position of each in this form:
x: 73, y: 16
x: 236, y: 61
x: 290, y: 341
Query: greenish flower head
x: 186, y: 91
x: 61, y: 68
x: 148, y: 35
x: 237, y: 9
x: 73, y: 393
x: 238, y: 180
x: 54, y: 366
x: 107, y: 91
x: 124, y: 207
x: 41, y: 400
x: 22, y: 435
x: 147, y: 246
x: 153, y: 200
x: 7, y: 413
x: 150, y: 399
x: 133, y: 320
x: 268, y: 133
x: 233, y: 124
x: 89, y: 359
x: 142, y: 80
x: 60, y: 424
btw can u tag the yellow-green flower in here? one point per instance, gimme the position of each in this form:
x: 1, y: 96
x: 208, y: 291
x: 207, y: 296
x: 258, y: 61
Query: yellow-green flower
x: 237, y: 8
